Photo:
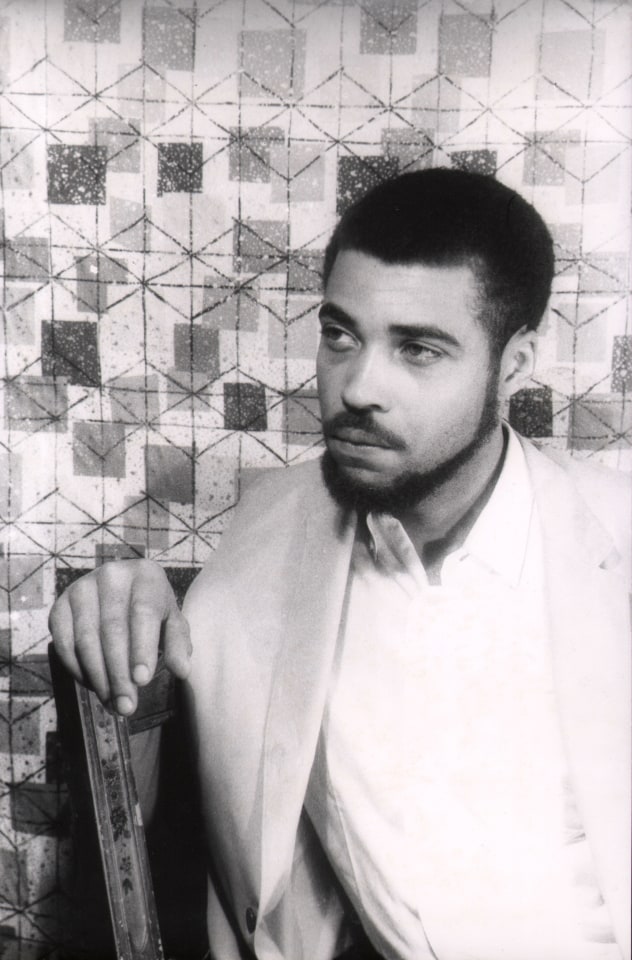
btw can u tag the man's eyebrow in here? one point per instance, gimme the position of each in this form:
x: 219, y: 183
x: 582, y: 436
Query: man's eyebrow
x: 424, y: 331
x: 329, y: 311
x: 413, y: 331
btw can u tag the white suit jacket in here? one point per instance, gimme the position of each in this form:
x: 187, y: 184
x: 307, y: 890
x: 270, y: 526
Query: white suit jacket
x: 265, y: 614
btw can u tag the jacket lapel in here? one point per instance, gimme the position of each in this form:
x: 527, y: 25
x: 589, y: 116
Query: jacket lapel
x: 299, y: 690
x: 590, y: 627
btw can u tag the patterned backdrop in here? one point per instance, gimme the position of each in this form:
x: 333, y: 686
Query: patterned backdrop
x: 169, y: 175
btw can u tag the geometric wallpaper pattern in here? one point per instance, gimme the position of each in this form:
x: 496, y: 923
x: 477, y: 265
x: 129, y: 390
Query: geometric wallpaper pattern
x: 169, y: 175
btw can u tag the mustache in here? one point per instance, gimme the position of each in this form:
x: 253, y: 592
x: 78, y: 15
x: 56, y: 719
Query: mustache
x: 365, y: 423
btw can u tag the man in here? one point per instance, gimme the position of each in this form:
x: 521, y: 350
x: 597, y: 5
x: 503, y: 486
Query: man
x: 409, y: 681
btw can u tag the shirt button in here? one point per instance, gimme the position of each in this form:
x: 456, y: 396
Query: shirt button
x: 251, y: 920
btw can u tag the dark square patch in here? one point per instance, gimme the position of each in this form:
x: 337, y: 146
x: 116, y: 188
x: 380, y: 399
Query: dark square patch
x: 259, y: 245
x: 27, y: 258
x: 169, y: 38
x: 76, y: 174
x: 245, y: 407
x: 96, y: 277
x: 64, y: 576
x: 228, y: 307
x: 305, y: 271
x: 302, y: 419
x: 180, y: 168
x: 13, y: 874
x: 169, y: 473
x: 21, y: 584
x: 531, y: 412
x: 30, y: 676
x: 36, y: 403
x: 249, y: 153
x: 273, y: 64
x: 37, y: 808
x: 601, y: 421
x: 357, y: 175
x: 465, y: 45
x: 388, y: 26
x: 70, y: 348
x: 92, y: 20
x: 475, y: 161
x: 19, y: 727
x: 622, y: 363
x: 196, y: 348
x: 413, y: 148
x: 544, y: 161
x: 120, y: 139
x: 98, y: 449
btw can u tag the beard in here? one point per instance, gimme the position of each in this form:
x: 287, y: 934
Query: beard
x: 410, y: 487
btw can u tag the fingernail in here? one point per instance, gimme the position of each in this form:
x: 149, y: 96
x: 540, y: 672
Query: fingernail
x: 140, y: 673
x: 124, y: 705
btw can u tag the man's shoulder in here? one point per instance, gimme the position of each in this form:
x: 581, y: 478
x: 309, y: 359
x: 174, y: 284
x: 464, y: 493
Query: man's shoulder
x: 282, y: 480
x: 593, y: 479
x: 274, y: 507
x: 605, y: 493
x: 263, y: 545
x: 282, y: 489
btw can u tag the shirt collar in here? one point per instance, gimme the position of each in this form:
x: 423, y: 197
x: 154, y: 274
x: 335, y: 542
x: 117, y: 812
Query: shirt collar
x: 498, y: 538
x: 500, y: 534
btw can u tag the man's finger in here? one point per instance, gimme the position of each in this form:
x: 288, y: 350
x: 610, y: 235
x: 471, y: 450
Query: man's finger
x: 177, y: 644
x: 145, y: 624
x: 60, y: 624
x: 150, y: 602
x: 83, y: 598
x: 115, y: 646
x: 114, y: 598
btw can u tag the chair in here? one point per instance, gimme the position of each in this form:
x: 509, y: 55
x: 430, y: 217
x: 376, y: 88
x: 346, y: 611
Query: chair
x: 116, y: 865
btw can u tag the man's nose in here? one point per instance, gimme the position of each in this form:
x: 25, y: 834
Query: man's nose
x: 366, y: 383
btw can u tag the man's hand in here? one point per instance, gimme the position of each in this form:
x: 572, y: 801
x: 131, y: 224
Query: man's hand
x: 107, y: 627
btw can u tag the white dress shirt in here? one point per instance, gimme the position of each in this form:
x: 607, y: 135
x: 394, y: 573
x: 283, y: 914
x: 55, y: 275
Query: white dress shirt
x: 439, y: 789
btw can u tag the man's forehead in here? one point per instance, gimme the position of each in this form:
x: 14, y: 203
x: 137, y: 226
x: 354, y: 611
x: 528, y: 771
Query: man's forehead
x: 350, y: 262
x: 360, y: 277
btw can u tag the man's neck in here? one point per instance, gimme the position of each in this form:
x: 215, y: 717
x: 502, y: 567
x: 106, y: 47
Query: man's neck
x: 441, y: 521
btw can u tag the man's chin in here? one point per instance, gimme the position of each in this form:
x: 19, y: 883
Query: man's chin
x: 361, y: 477
x: 365, y: 489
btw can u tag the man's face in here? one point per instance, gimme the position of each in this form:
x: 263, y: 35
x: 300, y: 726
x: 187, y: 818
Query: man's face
x: 407, y: 386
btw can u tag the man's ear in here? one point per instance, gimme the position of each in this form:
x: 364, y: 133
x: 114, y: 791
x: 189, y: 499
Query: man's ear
x: 517, y: 362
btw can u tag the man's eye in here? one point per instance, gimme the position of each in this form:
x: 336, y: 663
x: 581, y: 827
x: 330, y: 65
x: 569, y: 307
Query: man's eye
x: 336, y: 337
x: 420, y: 352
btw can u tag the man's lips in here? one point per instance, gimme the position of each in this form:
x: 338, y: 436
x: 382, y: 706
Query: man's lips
x: 358, y: 438
x: 348, y: 431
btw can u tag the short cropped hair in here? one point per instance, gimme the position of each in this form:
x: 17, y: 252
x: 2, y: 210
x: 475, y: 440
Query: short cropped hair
x: 448, y: 217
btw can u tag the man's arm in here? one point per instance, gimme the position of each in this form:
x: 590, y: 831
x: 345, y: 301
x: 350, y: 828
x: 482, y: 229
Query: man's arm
x: 108, y: 625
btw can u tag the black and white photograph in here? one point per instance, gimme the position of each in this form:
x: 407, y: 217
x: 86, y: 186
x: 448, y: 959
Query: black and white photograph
x: 315, y: 501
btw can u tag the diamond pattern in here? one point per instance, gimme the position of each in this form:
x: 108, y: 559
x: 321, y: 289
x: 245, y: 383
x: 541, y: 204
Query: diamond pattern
x: 170, y: 174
